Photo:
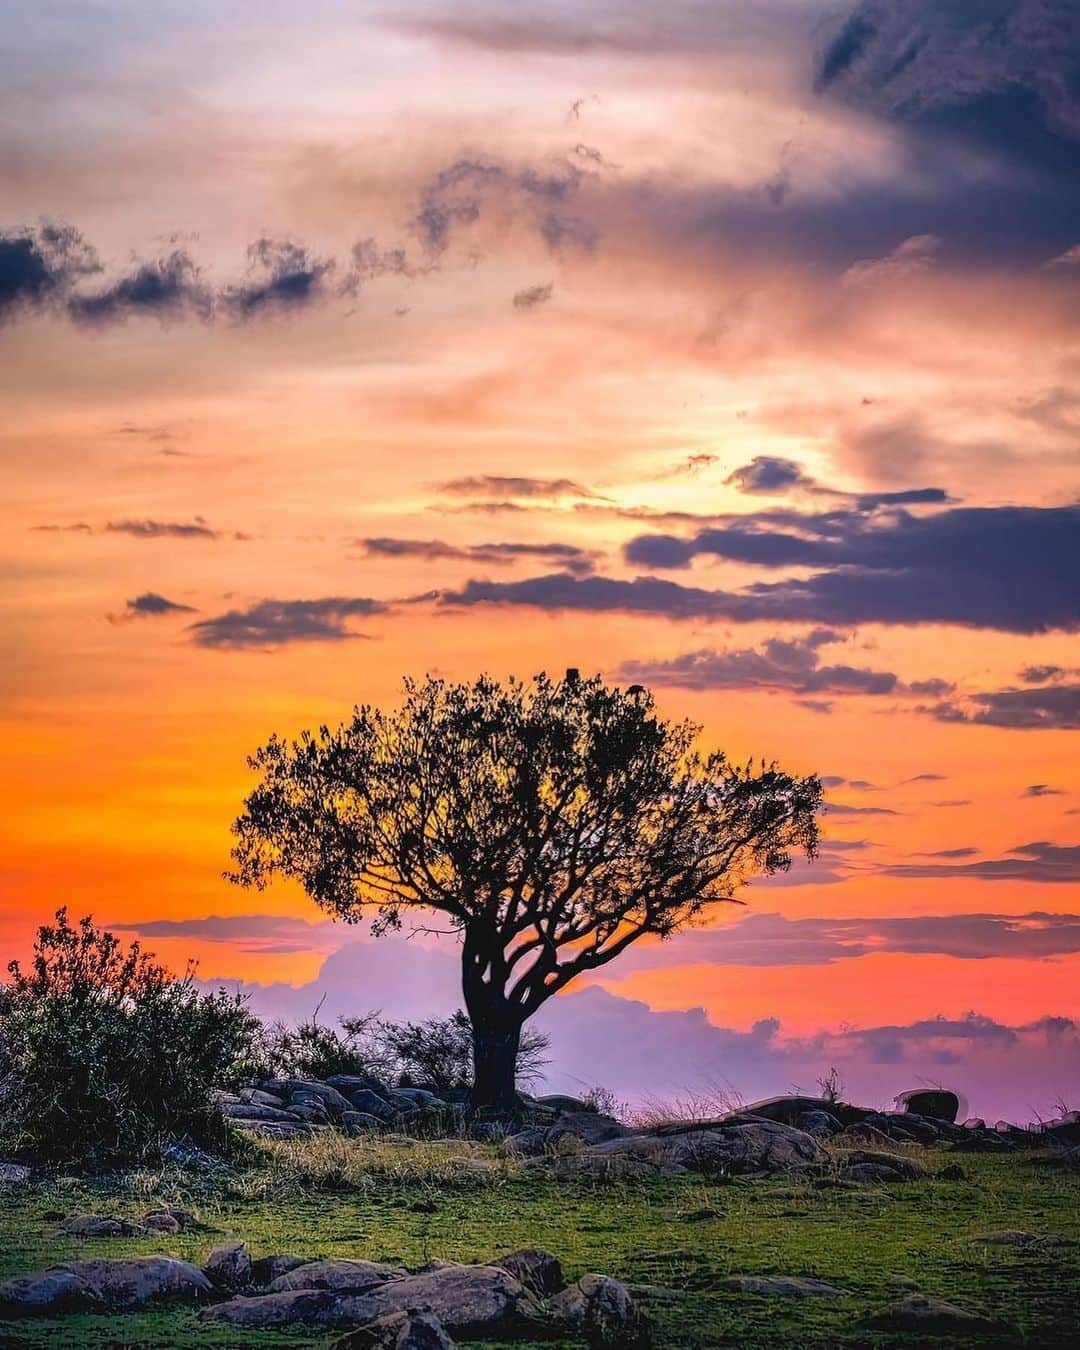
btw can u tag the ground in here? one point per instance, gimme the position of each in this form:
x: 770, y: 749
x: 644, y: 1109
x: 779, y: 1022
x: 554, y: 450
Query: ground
x: 680, y: 1235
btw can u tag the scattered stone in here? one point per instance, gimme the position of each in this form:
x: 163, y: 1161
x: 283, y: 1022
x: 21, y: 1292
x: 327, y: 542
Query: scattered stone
x: 603, y: 1310
x: 902, y: 1168
x: 340, y: 1274
x: 100, y: 1226
x: 537, y: 1270
x: 48, y: 1291
x: 818, y: 1124
x: 397, y: 1331
x: 729, y: 1146
x: 787, y: 1286
x: 161, y: 1221
x: 923, y: 1314
x: 138, y: 1280
x: 185, y: 1219
x: 269, y: 1268
x: 371, y: 1104
x: 937, y: 1103
x: 588, y: 1126
x: 229, y: 1265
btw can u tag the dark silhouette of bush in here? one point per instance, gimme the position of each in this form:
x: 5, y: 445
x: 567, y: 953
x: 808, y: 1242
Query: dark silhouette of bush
x: 439, y: 1051
x: 105, y: 1056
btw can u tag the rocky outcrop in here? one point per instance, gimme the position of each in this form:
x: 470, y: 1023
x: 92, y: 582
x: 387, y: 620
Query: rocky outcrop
x: 782, y: 1286
x: 925, y: 1315
x: 398, y: 1331
x: 110, y: 1285
x: 603, y: 1311
x: 229, y: 1265
x: 341, y: 1275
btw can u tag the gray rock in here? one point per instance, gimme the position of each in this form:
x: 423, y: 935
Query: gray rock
x: 249, y: 1111
x: 937, y: 1103
x: 257, y: 1097
x: 269, y: 1268
x: 49, y: 1291
x: 588, y: 1126
x: 279, y: 1129
x: 923, y: 1314
x: 185, y: 1220
x: 229, y: 1265
x: 871, y: 1173
x: 363, y: 1099
x: 529, y: 1143
x: 727, y: 1147
x: 13, y: 1173
x: 340, y: 1275
x: 359, y: 1122
x: 348, y: 1083
x: 138, y: 1280
x: 603, y: 1311
x: 469, y: 1301
x: 818, y: 1124
x: 419, y: 1097
x: 537, y: 1270
x: 397, y: 1331
x: 330, y: 1097
x: 313, y: 1112
x: 100, y: 1226
x: 785, y: 1286
x: 905, y: 1168
x: 559, y: 1102
x: 160, y: 1221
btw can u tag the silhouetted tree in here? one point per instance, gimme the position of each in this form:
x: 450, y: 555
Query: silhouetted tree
x: 553, y: 823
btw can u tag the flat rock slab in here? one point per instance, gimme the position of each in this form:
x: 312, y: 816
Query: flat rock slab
x: 343, y: 1275
x: 101, y: 1226
x: 722, y: 1147
x: 467, y: 1300
x: 398, y: 1331
x: 923, y: 1314
x: 784, y: 1286
x: 115, y: 1285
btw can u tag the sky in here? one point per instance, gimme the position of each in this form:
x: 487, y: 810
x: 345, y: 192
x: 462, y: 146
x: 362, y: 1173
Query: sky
x: 729, y: 349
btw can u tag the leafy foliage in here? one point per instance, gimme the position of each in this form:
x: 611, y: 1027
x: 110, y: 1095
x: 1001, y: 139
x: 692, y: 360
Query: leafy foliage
x: 104, y: 1055
x: 440, y: 1051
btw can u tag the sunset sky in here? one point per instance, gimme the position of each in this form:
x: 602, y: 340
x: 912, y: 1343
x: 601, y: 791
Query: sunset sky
x: 733, y: 349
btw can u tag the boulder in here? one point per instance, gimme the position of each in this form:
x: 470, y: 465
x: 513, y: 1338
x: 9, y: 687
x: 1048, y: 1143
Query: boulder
x: 938, y: 1103
x: 359, y: 1122
x: 348, y: 1083
x: 185, y: 1219
x: 13, y: 1173
x: 229, y: 1265
x: 528, y: 1143
x: 785, y: 1286
x: 259, y: 1098
x: 603, y: 1311
x: 923, y: 1314
x: 537, y: 1270
x: 48, y: 1291
x: 339, y: 1274
x: 903, y: 1169
x: 469, y: 1301
x: 138, y: 1280
x: 559, y: 1102
x: 330, y: 1097
x: 312, y: 1111
x: 730, y: 1146
x: 397, y: 1331
x: 371, y: 1104
x: 100, y: 1226
x: 160, y: 1221
x: 818, y: 1124
x: 250, y: 1111
x: 1065, y: 1129
x: 588, y: 1126
x: 269, y: 1268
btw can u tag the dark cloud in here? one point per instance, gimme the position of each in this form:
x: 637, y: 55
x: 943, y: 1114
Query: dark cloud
x: 263, y: 933
x: 769, y: 473
x: 508, y: 487
x: 1042, y: 674
x: 953, y: 853
x: 459, y: 194
x: 793, y: 665
x: 1042, y: 790
x: 569, y: 556
x: 77, y: 527
x: 1027, y: 862
x: 1054, y: 707
x: 1009, y: 568
x: 849, y: 809
x: 773, y: 940
x: 163, y: 529
x: 274, y: 623
x: 38, y: 267
x: 149, y: 605
x: 169, y: 288
x: 532, y: 296
x: 283, y: 276
x: 928, y: 778
x: 766, y: 474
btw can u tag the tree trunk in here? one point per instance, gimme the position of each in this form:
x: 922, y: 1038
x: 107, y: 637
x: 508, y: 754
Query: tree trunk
x: 495, y: 1051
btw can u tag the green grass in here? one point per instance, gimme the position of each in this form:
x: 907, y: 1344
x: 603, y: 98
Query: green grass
x: 679, y: 1234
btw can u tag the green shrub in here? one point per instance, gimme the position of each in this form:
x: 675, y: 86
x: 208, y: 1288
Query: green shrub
x: 104, y: 1055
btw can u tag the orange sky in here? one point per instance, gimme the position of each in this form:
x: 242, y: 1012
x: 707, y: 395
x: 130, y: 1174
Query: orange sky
x: 603, y: 301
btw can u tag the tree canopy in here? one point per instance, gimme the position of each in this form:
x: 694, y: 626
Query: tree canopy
x: 552, y: 823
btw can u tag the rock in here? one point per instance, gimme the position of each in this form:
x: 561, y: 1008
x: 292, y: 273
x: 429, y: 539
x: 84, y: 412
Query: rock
x: 187, y: 1155
x: 537, y: 1270
x: 339, y: 1275
x: 559, y: 1102
x: 528, y: 1143
x: 229, y: 1265
x: 12, y: 1173
x: 48, y: 1291
x: 269, y: 1268
x: 363, y: 1099
x: 359, y: 1122
x: 408, y: 1098
x: 871, y: 1172
x: 904, y: 1168
x: 469, y: 1301
x: 313, y: 1112
x: 602, y: 1310
x: 923, y: 1314
x: 277, y: 1129
x: 1065, y: 1129
x: 731, y: 1146
x: 139, y: 1279
x: 259, y: 1098
x: 867, y: 1133
x: 160, y: 1221
x: 100, y: 1226
x: 588, y: 1126
x: 348, y: 1083
x: 249, y: 1111
x: 330, y: 1097
x: 974, y: 1123
x: 397, y: 1331
x: 787, y: 1286
x: 818, y: 1124
x: 937, y: 1103
x: 184, y: 1219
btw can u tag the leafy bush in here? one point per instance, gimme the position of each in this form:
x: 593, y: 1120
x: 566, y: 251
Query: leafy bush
x: 314, y: 1050
x: 104, y: 1055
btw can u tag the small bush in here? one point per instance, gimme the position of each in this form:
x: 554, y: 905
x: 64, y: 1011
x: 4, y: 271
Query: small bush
x: 314, y: 1050
x: 439, y: 1052
x: 104, y: 1055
